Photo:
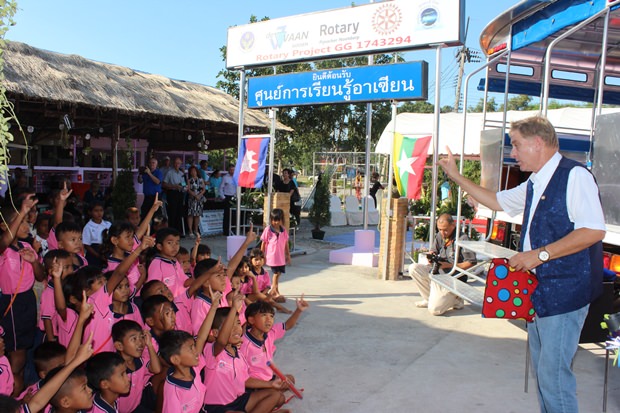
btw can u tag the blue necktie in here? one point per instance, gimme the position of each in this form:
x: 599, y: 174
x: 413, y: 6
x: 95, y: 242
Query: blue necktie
x: 529, y: 194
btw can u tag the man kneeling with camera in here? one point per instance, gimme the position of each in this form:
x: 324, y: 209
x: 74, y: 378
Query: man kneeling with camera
x: 436, y: 298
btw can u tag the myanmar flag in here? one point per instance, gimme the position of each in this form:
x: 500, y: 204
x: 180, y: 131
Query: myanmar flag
x: 409, y: 158
x: 250, y: 169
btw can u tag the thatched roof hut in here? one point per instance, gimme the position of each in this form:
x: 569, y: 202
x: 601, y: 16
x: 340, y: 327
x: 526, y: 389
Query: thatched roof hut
x: 45, y: 86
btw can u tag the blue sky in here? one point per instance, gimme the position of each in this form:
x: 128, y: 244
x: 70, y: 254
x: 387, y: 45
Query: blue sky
x: 181, y: 39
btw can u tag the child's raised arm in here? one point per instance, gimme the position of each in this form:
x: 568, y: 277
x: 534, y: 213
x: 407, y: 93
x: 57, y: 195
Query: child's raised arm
x: 141, y: 231
x: 59, y: 296
x: 154, y: 364
x: 250, y: 237
x: 31, y: 257
x: 196, y: 283
x: 192, y: 259
x: 125, y: 265
x: 9, y: 235
x: 205, y: 328
x: 60, y: 207
x: 85, y: 312
x: 51, y: 387
x: 302, y: 305
x: 226, y: 330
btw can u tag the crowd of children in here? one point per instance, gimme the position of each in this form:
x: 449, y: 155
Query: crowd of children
x: 130, y: 321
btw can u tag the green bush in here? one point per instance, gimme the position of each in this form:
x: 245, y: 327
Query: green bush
x: 123, y: 194
x: 319, y: 214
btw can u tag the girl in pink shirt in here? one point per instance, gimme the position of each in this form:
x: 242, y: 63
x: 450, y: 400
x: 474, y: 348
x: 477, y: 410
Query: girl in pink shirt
x: 119, y: 243
x: 275, y: 247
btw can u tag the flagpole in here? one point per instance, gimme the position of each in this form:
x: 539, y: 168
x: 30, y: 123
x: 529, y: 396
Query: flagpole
x: 385, y: 229
x: 431, y: 229
x: 272, y: 145
x: 241, y: 101
x: 367, y: 163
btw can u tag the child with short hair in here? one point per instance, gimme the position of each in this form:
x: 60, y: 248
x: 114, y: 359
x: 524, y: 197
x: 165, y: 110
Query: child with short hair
x: 200, y: 252
x: 227, y: 374
x: 107, y: 375
x: 42, y: 228
x: 183, y: 258
x: 69, y: 236
x: 19, y: 267
x: 130, y: 340
x: 276, y: 249
x: 47, y: 356
x: 165, y: 267
x: 256, y: 287
x: 158, y: 314
x: 184, y: 388
x: 92, y: 237
x: 258, y: 346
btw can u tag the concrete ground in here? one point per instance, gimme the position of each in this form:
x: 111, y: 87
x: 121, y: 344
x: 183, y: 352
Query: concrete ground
x: 363, y: 346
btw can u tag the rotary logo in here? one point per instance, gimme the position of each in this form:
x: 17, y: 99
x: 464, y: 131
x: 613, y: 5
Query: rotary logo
x: 387, y: 19
x: 247, y: 41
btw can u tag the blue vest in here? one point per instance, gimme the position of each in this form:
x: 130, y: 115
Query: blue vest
x: 568, y: 283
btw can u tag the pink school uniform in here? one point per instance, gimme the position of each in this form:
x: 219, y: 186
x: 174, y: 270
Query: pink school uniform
x: 6, y: 377
x: 34, y: 389
x: 263, y: 280
x: 183, y: 308
x: 101, y: 406
x: 138, y: 379
x: 67, y: 327
x: 225, y: 376
x: 52, y: 241
x: 169, y: 272
x: 133, y: 314
x: 200, y: 308
x: 48, y: 308
x: 258, y: 352
x: 101, y: 321
x: 185, y: 396
x: 275, y: 246
x: 133, y: 275
x: 17, y: 274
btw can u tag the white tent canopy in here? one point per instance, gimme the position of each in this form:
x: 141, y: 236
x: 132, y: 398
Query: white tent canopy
x: 569, y: 120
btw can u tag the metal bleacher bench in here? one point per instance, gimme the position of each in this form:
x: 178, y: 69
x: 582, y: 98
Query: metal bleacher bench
x: 472, y: 292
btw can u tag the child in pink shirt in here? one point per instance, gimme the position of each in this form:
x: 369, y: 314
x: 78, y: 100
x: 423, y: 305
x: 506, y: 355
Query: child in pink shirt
x: 48, y: 321
x: 275, y: 247
x: 258, y: 345
x: 130, y: 340
x: 256, y: 287
x: 6, y: 374
x: 19, y: 267
x: 107, y: 375
x: 119, y: 243
x: 227, y: 374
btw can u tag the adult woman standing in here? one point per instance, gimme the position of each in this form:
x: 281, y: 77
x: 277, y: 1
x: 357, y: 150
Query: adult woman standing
x: 287, y: 185
x: 215, y: 180
x: 195, y: 196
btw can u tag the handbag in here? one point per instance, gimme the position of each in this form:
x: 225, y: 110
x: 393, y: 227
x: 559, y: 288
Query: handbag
x: 508, y: 292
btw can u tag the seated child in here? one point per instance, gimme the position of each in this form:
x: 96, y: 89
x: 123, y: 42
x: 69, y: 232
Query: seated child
x: 159, y: 316
x: 43, y: 232
x: 69, y: 235
x: 184, y: 259
x: 107, y: 375
x: 199, y: 252
x: 257, y: 287
x: 258, y: 345
x: 7, y: 380
x: 230, y: 387
x: 48, y: 320
x: 184, y: 388
x: 130, y: 340
x: 19, y: 266
x: 47, y: 357
x: 119, y: 243
x: 164, y: 267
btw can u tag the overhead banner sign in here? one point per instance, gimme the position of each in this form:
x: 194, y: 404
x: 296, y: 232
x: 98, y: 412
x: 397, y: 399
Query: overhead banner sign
x: 402, y: 81
x: 388, y: 26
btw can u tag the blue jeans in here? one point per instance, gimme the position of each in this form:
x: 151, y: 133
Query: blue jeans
x: 553, y: 343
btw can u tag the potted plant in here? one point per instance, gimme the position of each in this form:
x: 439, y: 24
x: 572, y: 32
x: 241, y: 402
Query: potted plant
x: 319, y: 214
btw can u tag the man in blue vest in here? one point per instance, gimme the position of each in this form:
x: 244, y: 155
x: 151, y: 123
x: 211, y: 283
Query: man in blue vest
x: 563, y: 226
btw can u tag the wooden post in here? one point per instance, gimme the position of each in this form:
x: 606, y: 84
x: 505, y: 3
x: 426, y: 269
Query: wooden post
x: 280, y: 200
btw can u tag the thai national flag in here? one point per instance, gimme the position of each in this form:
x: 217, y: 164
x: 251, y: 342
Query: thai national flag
x: 250, y: 169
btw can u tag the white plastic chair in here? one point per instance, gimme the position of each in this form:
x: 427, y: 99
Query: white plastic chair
x: 352, y: 210
x: 373, y: 213
x: 335, y: 208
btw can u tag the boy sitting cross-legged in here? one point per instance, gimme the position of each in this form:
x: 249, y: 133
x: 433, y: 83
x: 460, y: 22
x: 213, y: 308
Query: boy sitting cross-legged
x: 227, y: 375
x: 130, y: 341
x: 184, y: 388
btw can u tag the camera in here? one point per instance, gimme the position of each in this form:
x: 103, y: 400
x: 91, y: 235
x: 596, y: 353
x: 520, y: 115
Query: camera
x: 435, y: 261
x: 142, y: 169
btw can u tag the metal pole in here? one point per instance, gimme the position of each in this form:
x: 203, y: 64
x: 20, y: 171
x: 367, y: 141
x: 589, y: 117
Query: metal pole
x: 272, y: 145
x: 435, y: 143
x: 367, y: 161
x: 385, y: 229
x: 241, y: 106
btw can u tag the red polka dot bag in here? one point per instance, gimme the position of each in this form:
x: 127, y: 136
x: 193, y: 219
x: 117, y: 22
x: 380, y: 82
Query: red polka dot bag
x: 508, y: 292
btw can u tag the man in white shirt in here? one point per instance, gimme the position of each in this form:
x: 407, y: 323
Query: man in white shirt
x: 563, y: 226
x: 228, y: 190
